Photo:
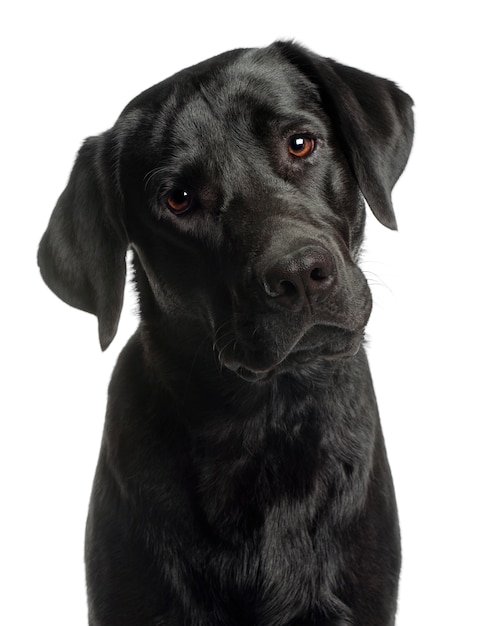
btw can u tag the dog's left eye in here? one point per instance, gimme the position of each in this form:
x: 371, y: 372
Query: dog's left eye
x: 179, y: 201
x: 301, y: 146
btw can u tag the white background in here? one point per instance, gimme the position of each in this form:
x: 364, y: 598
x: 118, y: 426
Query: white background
x: 67, y: 71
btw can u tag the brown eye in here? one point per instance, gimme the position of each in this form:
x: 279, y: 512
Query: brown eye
x: 301, y: 146
x: 179, y: 201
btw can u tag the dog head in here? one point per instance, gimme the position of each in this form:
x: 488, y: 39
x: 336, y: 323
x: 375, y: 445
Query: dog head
x: 240, y: 185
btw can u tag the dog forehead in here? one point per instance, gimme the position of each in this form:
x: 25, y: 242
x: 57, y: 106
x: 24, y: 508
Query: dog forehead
x: 232, y: 105
x: 216, y: 119
x: 261, y: 71
x: 230, y: 92
x: 261, y: 78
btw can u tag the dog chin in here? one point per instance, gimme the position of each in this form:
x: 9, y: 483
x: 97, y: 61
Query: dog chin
x: 339, y: 346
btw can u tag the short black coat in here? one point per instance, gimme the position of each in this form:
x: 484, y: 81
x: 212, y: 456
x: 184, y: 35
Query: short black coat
x: 242, y: 478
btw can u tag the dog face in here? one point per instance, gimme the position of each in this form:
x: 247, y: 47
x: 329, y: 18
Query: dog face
x: 240, y: 185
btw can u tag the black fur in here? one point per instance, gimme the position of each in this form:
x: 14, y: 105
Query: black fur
x: 242, y: 476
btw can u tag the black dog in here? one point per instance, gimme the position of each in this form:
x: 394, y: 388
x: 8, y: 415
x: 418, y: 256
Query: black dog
x: 242, y: 477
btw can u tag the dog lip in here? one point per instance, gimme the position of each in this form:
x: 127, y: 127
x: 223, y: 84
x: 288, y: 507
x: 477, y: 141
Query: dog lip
x: 347, y: 345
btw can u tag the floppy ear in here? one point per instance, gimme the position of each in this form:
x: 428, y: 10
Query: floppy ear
x: 374, y: 122
x: 82, y: 252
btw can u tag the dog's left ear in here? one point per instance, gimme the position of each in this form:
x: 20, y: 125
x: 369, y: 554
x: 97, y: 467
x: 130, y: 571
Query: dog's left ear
x: 82, y: 252
x: 373, y: 119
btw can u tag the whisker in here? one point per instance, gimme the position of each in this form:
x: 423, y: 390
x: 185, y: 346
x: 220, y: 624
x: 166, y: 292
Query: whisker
x: 225, y: 337
x: 375, y: 280
x: 147, y: 178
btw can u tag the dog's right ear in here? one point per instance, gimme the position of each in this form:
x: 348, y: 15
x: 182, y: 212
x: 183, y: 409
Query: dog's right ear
x: 82, y: 253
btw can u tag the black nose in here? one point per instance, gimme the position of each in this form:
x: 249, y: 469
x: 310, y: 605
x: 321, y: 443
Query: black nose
x: 305, y: 276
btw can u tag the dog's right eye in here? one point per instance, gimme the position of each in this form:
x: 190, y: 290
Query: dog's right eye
x: 178, y: 201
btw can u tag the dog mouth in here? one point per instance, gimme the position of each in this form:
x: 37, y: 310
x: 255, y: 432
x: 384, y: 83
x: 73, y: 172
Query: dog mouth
x: 320, y: 343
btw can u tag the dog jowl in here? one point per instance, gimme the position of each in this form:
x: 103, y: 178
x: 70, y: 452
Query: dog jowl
x: 242, y: 477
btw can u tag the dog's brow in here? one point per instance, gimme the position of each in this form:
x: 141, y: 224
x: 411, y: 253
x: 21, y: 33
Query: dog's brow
x: 304, y: 122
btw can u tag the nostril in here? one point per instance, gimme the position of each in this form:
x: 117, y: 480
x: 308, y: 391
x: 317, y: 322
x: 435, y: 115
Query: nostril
x: 318, y: 274
x: 275, y: 287
x: 287, y: 288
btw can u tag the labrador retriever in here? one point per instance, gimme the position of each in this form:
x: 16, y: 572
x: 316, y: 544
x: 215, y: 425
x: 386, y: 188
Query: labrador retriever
x: 242, y: 477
